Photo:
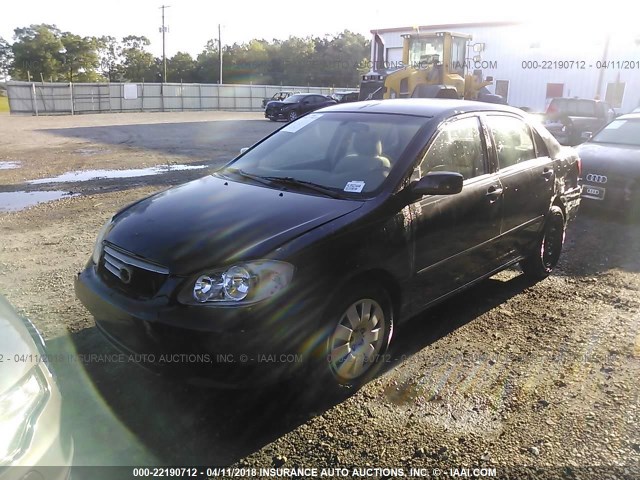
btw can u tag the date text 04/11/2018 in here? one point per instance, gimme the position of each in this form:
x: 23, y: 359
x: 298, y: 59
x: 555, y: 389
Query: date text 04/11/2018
x: 580, y: 64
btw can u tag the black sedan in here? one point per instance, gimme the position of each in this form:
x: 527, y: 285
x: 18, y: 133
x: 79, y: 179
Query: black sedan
x: 306, y: 250
x: 611, y: 166
x: 296, y: 106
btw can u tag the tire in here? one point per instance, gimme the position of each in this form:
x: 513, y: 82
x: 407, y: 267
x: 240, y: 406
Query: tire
x: 361, y: 327
x: 292, y: 115
x: 545, y: 257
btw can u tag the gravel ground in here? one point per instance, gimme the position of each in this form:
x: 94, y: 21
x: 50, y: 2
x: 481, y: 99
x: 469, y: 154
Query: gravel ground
x: 532, y: 380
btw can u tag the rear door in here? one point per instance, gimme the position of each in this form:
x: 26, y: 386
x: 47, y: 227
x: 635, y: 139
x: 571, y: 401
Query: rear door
x: 454, y: 235
x: 527, y: 175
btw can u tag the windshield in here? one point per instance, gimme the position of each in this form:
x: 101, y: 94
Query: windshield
x: 624, y: 132
x: 345, y: 152
x: 294, y: 98
x: 425, y: 51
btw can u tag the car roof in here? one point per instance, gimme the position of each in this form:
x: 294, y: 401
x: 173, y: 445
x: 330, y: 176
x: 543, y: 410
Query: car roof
x: 422, y: 107
x: 629, y: 116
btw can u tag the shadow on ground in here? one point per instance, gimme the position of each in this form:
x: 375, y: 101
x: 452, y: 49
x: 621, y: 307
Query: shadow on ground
x: 213, y: 140
x: 121, y: 414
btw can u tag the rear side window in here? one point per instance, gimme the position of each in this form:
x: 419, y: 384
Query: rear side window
x: 512, y: 139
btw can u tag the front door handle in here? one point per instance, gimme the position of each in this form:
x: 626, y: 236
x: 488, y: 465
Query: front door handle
x: 547, y: 173
x: 494, y: 192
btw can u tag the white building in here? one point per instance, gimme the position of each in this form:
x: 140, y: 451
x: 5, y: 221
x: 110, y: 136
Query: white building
x: 531, y: 64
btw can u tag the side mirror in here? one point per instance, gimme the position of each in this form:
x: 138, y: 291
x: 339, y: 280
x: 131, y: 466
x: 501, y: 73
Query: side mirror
x: 437, y: 183
x: 243, y: 149
x: 586, y: 135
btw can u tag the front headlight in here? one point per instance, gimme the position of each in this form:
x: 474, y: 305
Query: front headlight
x: 242, y: 283
x: 18, y: 407
x: 97, y: 248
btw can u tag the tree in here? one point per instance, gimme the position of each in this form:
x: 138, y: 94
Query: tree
x: 181, y: 68
x: 208, y: 63
x: 80, y: 58
x: 138, y: 64
x: 36, y: 53
x: 110, y: 58
x: 6, y: 57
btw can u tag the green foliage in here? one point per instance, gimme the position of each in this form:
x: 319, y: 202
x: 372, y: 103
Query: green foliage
x: 138, y: 64
x: 80, y: 58
x: 6, y: 57
x: 36, y: 53
x: 45, y: 53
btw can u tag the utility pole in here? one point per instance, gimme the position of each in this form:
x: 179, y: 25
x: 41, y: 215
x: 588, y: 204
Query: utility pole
x: 220, y: 52
x: 164, y: 30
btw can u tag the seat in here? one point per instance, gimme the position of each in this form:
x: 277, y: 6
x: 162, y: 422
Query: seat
x: 462, y: 158
x: 367, y: 156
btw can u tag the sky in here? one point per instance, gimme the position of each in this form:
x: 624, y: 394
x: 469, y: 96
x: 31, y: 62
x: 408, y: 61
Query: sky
x: 193, y: 22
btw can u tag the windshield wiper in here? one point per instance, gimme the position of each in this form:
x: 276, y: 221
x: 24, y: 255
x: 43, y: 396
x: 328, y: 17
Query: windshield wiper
x: 305, y: 183
x: 251, y: 176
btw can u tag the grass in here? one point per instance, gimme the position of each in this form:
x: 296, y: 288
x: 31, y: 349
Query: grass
x: 4, y: 104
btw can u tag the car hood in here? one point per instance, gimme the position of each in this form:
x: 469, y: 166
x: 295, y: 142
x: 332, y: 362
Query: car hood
x: 17, y: 347
x: 213, y: 222
x: 279, y: 104
x: 610, y: 158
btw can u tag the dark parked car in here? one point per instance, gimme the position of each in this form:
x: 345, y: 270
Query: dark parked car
x: 569, y: 118
x: 346, y: 97
x: 32, y: 443
x: 296, y: 106
x: 611, y: 166
x: 312, y: 245
x: 278, y: 97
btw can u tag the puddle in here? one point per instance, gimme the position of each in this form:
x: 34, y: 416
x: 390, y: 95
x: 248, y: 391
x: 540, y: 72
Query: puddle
x: 14, y: 201
x: 86, y: 175
x: 9, y: 165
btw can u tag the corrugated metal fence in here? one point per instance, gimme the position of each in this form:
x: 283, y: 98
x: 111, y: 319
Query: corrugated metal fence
x: 37, y: 98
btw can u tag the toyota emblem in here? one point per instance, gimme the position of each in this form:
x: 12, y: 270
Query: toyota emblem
x: 125, y: 275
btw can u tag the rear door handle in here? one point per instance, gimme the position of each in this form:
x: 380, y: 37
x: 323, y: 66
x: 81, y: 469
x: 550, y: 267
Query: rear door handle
x: 547, y: 173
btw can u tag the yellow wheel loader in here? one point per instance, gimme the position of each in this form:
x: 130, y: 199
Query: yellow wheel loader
x: 433, y: 65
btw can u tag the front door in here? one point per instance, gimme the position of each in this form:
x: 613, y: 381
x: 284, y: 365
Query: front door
x: 455, y: 234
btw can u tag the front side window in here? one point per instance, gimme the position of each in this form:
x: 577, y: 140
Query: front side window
x: 457, y: 148
x: 512, y: 139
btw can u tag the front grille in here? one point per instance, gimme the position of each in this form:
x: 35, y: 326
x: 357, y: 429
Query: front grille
x: 373, y: 88
x: 131, y: 275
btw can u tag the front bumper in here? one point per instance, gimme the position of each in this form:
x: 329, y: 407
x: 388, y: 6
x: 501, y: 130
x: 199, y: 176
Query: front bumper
x: 221, y: 346
x: 279, y: 115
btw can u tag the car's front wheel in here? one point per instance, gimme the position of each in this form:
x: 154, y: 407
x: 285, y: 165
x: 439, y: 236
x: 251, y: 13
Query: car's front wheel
x: 362, y: 327
x: 545, y: 257
x: 292, y: 115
